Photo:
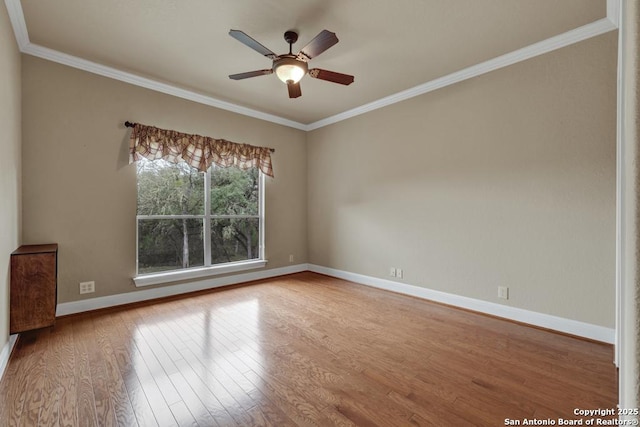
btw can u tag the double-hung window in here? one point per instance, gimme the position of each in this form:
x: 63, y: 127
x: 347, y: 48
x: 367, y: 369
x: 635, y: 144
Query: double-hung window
x: 193, y: 224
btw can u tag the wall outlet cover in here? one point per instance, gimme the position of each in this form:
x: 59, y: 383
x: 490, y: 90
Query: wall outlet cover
x: 87, y: 287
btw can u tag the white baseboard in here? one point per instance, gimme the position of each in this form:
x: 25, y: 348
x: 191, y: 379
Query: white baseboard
x: 149, y: 294
x: 6, y: 353
x: 560, y: 324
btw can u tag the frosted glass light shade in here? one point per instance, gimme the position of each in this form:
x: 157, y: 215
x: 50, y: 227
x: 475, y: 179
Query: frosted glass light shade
x: 289, y: 69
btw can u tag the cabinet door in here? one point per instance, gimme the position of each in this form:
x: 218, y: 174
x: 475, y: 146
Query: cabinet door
x: 33, y: 291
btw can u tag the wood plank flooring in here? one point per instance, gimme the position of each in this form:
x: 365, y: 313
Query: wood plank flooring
x: 300, y: 350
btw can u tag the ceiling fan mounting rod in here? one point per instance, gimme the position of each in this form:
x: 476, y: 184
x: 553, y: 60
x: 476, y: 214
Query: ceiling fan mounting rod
x: 290, y: 37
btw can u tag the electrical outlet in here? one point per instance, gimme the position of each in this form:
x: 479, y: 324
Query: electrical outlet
x: 503, y: 292
x: 87, y: 287
x: 392, y: 272
x: 399, y: 273
x: 291, y: 258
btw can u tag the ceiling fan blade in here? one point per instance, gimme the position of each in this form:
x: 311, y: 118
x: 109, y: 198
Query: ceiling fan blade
x: 294, y: 89
x: 319, y: 44
x: 248, y: 41
x: 331, y: 76
x: 248, y: 74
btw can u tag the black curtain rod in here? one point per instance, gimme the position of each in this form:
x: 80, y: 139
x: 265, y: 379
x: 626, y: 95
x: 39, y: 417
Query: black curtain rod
x: 130, y: 125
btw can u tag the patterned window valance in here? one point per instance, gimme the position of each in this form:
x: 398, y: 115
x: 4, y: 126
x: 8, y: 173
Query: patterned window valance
x: 198, y: 151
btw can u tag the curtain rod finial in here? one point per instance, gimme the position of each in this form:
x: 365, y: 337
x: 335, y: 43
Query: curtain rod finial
x: 129, y: 124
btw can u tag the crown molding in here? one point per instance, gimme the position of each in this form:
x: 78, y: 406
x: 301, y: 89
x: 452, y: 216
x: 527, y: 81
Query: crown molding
x: 123, y: 76
x: 613, y: 12
x: 570, y: 37
x: 16, y: 16
x: 579, y: 34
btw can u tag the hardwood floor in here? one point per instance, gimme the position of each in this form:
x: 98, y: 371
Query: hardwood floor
x: 304, y: 350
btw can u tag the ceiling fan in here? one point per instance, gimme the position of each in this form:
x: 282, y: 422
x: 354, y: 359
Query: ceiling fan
x: 289, y: 67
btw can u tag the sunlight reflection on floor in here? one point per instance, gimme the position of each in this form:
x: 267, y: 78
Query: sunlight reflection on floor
x: 215, y: 350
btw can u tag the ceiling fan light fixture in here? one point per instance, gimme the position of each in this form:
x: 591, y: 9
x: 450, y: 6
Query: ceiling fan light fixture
x: 290, y: 69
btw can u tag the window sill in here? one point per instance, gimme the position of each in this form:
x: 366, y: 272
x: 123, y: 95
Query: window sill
x: 196, y: 273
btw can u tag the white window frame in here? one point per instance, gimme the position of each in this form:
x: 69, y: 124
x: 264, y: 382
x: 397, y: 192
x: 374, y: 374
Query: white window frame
x: 208, y: 269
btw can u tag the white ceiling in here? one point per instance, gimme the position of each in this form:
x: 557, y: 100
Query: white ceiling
x: 395, y: 49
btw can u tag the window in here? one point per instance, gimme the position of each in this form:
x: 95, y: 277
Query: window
x: 197, y: 223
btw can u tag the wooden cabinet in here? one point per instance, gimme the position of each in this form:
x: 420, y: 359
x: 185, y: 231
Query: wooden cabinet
x: 34, y: 281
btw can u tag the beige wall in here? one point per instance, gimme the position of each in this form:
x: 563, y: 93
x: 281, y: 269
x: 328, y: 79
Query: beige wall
x: 80, y: 191
x: 9, y: 162
x: 507, y: 179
